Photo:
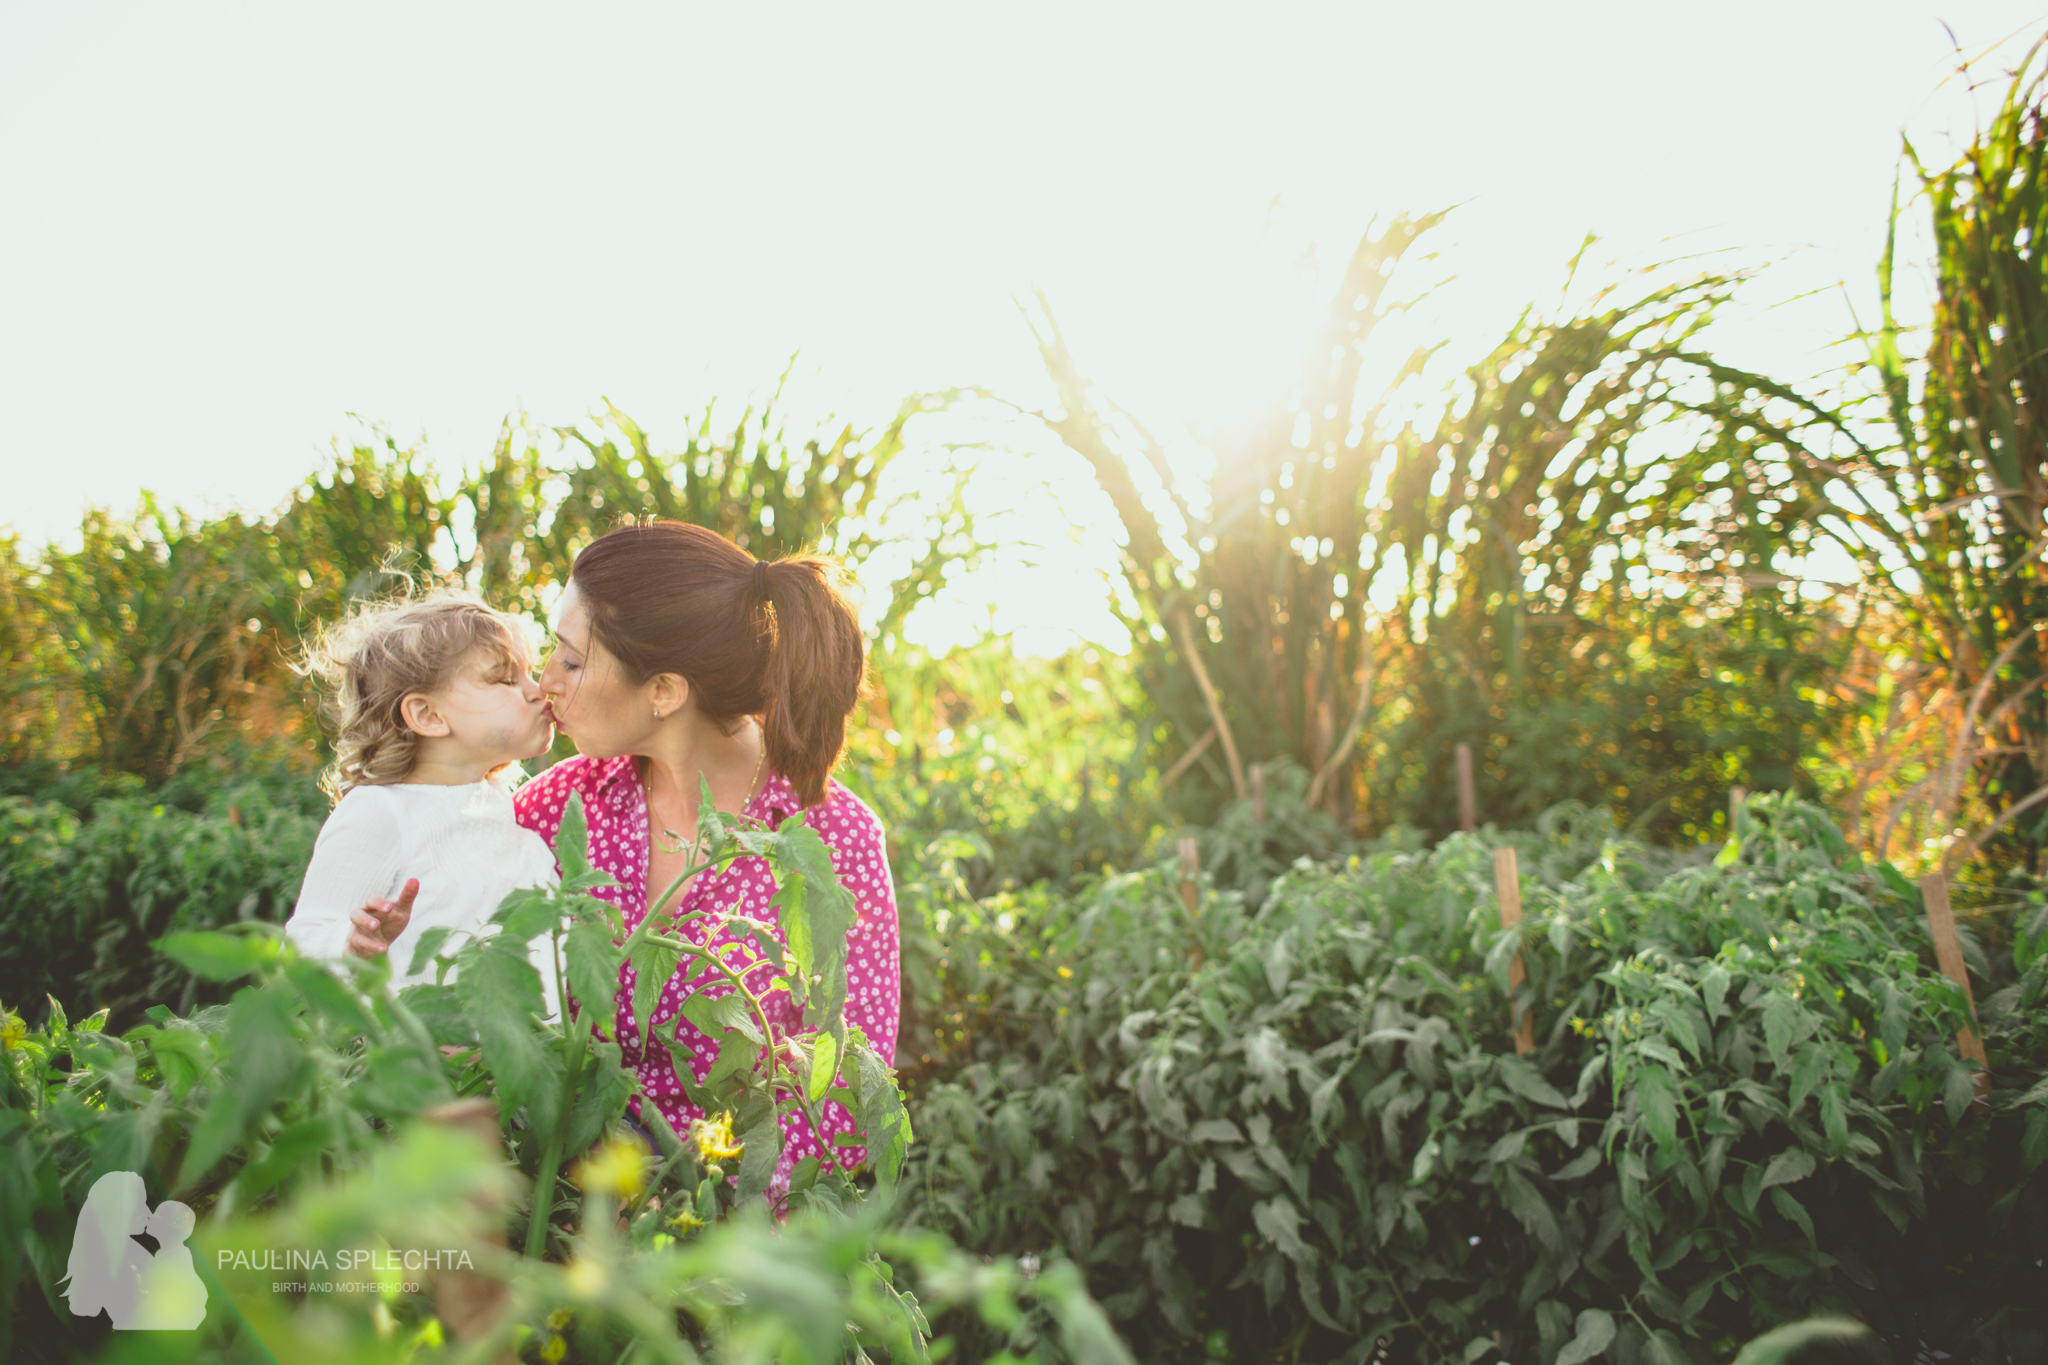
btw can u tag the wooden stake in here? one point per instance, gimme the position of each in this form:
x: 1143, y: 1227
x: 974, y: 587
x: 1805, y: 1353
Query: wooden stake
x: 1736, y: 796
x: 1187, y: 760
x: 1948, y: 952
x: 1507, y: 881
x: 1258, y: 777
x: 1468, y: 806
x: 1343, y: 749
x: 470, y: 1302
x: 1190, y: 865
x: 1214, y: 703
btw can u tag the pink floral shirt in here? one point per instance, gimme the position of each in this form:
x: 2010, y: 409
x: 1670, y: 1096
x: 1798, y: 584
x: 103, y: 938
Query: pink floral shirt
x: 615, y: 804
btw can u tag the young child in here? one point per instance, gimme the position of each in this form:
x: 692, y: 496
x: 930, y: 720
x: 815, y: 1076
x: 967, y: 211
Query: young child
x: 436, y: 705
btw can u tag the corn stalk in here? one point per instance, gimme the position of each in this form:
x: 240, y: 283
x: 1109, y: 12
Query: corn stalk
x: 1594, y: 609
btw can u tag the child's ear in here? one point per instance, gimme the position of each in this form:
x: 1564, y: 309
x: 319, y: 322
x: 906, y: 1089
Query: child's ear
x: 421, y: 716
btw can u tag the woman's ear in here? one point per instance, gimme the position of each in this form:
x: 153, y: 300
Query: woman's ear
x: 668, y: 693
x: 421, y: 716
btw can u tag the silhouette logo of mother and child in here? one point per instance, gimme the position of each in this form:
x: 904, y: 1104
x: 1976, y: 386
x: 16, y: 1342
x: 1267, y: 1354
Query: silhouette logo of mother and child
x: 140, y: 1290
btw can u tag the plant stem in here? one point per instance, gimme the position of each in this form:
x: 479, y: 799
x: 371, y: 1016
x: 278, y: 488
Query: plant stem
x: 551, y: 1155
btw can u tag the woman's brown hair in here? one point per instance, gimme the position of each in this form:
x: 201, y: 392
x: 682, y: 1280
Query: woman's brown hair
x: 778, y: 640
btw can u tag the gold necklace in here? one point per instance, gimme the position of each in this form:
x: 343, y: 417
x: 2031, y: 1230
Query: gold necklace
x: 759, y: 764
x: 746, y: 798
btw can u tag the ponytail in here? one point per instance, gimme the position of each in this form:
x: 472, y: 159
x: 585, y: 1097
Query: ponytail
x: 815, y: 667
x: 779, y: 640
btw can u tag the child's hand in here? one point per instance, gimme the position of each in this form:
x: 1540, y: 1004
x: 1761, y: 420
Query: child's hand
x: 379, y: 923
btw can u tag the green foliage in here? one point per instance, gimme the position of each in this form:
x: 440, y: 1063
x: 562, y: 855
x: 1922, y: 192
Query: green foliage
x: 1033, y: 760
x: 303, y: 1115
x: 1567, y: 562
x: 163, y: 636
x: 162, y: 622
x: 81, y: 899
x: 1964, y: 484
x: 1296, y: 1134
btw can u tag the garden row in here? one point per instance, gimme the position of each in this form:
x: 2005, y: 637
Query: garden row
x: 1306, y: 1133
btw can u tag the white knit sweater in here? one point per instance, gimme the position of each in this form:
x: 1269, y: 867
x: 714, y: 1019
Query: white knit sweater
x: 463, y: 843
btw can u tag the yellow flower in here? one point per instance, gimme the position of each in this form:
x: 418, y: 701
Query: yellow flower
x: 559, y: 1319
x: 619, y: 1167
x: 12, y: 1031
x: 586, y: 1278
x: 554, y: 1350
x: 715, y: 1141
x: 686, y: 1221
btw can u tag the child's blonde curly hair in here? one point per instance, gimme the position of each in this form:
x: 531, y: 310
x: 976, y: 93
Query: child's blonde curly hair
x: 381, y: 653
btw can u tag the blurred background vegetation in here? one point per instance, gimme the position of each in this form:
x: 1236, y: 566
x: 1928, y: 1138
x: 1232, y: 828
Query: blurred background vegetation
x: 1634, y: 581
x: 1622, y: 572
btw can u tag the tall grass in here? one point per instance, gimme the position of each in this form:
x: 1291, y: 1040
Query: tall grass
x: 164, y: 635
x: 1567, y: 561
x: 1935, y: 484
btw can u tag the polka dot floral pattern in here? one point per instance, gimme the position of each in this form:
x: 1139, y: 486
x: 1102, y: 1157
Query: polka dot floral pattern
x: 615, y: 804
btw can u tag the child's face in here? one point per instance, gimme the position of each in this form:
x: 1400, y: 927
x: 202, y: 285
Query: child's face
x: 171, y: 1223
x: 494, y: 711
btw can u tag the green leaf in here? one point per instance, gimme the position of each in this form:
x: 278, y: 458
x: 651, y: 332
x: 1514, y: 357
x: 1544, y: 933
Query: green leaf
x: 761, y: 1143
x: 1583, y: 1164
x: 500, y: 993
x: 1784, y: 1345
x: 824, y: 1064
x: 439, y: 1010
x: 880, y: 1112
x: 1812, y: 1072
x: 1530, y: 1208
x: 1958, y: 1085
x: 1657, y: 1099
x: 1714, y: 991
x: 1794, y: 1212
x: 1215, y: 1130
x: 183, y: 1058
x: 1280, y: 1223
x: 527, y: 913
x: 264, y: 1060
x: 214, y: 956
x: 815, y: 914
x: 298, y: 1148
x: 717, y: 1015
x: 572, y: 839
x: 1594, y: 1334
x: 1788, y: 1167
x: 1781, y: 1016
x: 1665, y: 1348
x: 592, y: 962
x: 398, y: 1082
x: 1525, y: 1080
x: 328, y: 996
x: 429, y: 947
x: 654, y: 962
x: 601, y: 1098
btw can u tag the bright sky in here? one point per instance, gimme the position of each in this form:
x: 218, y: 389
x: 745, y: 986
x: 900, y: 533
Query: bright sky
x: 225, y: 229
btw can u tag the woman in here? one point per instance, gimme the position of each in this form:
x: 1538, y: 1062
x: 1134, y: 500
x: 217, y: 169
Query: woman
x: 680, y: 659
x: 104, y: 1272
